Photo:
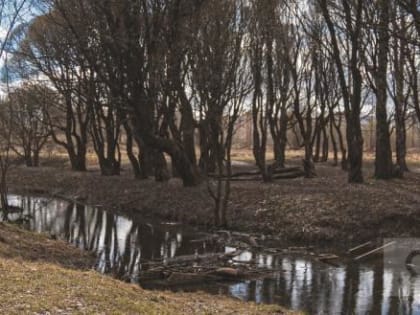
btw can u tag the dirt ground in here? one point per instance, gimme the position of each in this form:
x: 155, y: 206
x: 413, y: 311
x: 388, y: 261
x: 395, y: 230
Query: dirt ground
x: 323, y: 210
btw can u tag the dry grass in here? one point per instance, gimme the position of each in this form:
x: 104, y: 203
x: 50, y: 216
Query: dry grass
x: 43, y: 280
x: 16, y: 243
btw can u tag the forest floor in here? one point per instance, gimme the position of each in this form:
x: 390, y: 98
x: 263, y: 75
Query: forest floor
x: 39, y: 275
x: 325, y: 210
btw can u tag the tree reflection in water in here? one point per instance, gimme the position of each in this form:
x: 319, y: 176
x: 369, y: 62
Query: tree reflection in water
x: 300, y: 283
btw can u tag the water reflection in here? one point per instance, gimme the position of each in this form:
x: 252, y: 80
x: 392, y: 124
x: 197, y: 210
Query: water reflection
x: 120, y: 243
x: 299, y: 283
x: 321, y: 289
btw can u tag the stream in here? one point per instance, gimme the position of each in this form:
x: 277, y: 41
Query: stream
x: 298, y: 281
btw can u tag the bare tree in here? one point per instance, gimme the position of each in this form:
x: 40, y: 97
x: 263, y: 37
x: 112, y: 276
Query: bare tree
x: 220, y: 82
x: 270, y: 47
x: 279, y: 87
x: 132, y: 35
x: 398, y: 86
x: 51, y: 50
x: 346, y: 20
x: 377, y: 37
x: 6, y: 127
x: 10, y: 11
x: 26, y: 114
x: 261, y: 105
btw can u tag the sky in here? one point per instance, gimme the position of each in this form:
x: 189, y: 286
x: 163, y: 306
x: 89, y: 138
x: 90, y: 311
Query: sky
x: 26, y: 14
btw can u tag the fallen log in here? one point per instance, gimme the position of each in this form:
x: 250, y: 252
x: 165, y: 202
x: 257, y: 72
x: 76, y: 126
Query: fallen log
x: 277, y: 171
x: 259, y: 178
x: 205, y: 258
x: 290, y: 176
x: 290, y: 171
x: 248, y: 179
x: 219, y: 274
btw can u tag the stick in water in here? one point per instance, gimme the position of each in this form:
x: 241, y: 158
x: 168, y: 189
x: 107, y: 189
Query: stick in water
x: 374, y: 251
x: 358, y: 247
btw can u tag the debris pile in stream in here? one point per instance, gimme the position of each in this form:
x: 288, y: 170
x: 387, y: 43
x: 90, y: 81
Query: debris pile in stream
x: 216, y: 266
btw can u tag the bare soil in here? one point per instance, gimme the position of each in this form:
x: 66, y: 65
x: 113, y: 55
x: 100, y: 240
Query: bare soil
x: 323, y: 210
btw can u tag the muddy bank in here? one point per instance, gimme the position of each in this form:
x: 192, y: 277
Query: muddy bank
x: 324, y: 210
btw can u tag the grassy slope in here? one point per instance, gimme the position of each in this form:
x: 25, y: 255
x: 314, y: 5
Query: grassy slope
x: 39, y: 275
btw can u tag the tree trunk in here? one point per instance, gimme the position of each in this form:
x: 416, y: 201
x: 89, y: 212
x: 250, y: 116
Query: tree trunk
x: 188, y: 128
x: 333, y: 141
x: 145, y: 160
x: 308, y: 162
x: 160, y: 167
x: 383, y: 156
x: 207, y: 160
x: 187, y: 171
x: 35, y: 157
x: 325, y: 144
x: 78, y: 160
x: 109, y: 166
x: 3, y: 193
x: 352, y: 101
x: 317, y: 141
x: 28, y: 159
x: 281, y: 143
x: 135, y: 164
x: 400, y: 102
x: 344, y: 162
x: 153, y: 163
x: 355, y: 154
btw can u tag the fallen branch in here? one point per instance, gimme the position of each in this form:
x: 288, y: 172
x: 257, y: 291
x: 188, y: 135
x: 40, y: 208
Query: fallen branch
x: 290, y: 176
x: 277, y: 171
x: 328, y: 259
x: 351, y: 250
x: 259, y: 178
x: 374, y: 251
x: 281, y: 173
x: 198, y: 258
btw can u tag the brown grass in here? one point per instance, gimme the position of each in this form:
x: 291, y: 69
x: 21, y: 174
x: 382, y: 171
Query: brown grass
x: 16, y: 243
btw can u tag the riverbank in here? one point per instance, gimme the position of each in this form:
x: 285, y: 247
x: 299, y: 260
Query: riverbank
x: 39, y: 275
x: 323, y: 210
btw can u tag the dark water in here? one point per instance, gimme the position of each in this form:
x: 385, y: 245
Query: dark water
x: 300, y: 283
